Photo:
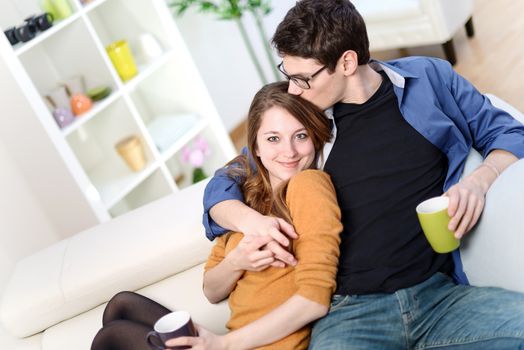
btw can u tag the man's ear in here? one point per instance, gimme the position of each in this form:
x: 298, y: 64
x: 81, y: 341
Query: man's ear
x: 349, y: 61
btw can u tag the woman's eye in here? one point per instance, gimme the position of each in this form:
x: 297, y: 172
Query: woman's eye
x: 272, y: 138
x: 302, y: 136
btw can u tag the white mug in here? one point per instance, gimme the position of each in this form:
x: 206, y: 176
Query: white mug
x: 148, y: 47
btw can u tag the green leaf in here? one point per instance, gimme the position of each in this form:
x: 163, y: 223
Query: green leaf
x: 224, y: 9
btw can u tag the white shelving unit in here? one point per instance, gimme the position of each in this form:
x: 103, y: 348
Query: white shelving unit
x: 169, y: 88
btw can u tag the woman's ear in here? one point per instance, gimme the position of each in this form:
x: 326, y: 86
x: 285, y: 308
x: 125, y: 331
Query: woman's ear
x: 349, y: 61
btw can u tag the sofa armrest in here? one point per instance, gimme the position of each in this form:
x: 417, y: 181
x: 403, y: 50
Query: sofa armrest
x: 492, y: 253
x: 500, y: 103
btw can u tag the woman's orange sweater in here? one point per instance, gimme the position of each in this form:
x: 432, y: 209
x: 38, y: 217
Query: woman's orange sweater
x: 315, y: 213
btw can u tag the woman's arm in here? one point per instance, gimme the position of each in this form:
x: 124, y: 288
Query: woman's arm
x: 289, y: 317
x: 221, y: 279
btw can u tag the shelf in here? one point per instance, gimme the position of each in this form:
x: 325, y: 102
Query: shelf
x: 152, y: 188
x: 70, y: 52
x: 97, y: 108
x: 146, y: 70
x: 166, y: 105
x: 94, y: 143
x: 188, y: 136
x: 215, y: 160
x: 114, y: 181
x: 41, y: 36
x: 92, y: 5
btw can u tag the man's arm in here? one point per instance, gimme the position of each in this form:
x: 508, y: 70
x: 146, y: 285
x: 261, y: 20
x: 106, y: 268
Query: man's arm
x: 220, y: 188
x: 238, y: 217
x: 495, y: 134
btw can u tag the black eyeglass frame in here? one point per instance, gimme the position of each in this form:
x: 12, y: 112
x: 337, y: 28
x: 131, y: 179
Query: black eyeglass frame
x: 298, y: 80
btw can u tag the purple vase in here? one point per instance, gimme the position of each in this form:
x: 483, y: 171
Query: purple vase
x: 63, y: 116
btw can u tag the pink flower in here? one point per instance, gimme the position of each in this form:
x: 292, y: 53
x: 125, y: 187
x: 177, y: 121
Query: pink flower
x: 196, y: 158
x: 196, y: 153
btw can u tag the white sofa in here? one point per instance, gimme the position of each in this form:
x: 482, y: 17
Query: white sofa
x: 55, y: 298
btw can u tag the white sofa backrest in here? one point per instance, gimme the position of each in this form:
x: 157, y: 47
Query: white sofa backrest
x: 126, y: 253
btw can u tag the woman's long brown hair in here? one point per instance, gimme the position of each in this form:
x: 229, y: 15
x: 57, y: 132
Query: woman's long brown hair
x: 258, y: 193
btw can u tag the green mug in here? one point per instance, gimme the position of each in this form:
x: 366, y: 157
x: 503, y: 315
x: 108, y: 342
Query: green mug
x: 59, y: 9
x: 434, y: 220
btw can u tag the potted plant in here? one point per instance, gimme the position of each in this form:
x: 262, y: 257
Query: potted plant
x: 234, y: 10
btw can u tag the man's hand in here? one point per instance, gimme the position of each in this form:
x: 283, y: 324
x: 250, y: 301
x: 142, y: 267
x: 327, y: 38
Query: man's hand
x: 466, y: 202
x: 236, y: 216
x: 248, y: 255
x: 276, y: 228
x: 467, y: 198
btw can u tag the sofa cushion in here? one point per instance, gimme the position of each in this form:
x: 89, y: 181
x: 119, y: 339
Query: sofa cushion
x: 9, y: 342
x: 126, y: 253
x: 181, y: 291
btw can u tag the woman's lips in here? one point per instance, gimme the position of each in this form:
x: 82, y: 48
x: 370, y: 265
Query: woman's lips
x: 289, y: 164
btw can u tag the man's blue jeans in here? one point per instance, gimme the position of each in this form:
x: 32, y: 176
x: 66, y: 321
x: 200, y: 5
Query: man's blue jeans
x: 435, y: 314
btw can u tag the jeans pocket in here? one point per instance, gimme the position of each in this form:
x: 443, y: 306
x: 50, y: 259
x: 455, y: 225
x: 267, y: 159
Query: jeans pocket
x: 337, y: 301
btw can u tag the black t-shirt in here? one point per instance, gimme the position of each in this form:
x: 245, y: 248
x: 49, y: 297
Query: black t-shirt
x: 382, y: 169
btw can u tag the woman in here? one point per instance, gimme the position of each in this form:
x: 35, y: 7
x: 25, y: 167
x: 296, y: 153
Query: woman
x: 270, y: 307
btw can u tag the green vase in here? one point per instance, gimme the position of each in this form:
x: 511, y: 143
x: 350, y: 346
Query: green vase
x: 198, y: 175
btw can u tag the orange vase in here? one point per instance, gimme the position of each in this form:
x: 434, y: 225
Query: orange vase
x: 80, y: 104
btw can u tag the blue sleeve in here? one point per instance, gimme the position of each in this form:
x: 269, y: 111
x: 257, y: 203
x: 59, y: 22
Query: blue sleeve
x: 220, y: 188
x: 491, y: 127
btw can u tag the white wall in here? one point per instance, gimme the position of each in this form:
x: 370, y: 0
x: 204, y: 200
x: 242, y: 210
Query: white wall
x: 223, y: 60
x: 25, y: 227
x: 34, y: 183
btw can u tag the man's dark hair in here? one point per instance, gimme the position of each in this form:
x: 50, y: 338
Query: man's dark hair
x: 323, y: 30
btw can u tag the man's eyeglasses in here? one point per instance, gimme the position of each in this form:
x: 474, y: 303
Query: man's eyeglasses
x: 300, y: 81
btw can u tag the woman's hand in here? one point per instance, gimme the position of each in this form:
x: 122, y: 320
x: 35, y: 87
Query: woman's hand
x: 206, y: 340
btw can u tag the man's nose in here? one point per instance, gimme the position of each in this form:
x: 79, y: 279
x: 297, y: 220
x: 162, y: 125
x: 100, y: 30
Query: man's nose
x: 293, y: 89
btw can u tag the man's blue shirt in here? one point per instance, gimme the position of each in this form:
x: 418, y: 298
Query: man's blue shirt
x: 437, y: 102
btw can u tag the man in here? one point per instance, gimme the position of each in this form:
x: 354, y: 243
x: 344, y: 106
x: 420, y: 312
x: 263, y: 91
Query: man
x: 403, y: 130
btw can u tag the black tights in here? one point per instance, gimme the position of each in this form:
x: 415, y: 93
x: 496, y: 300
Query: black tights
x: 128, y: 317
